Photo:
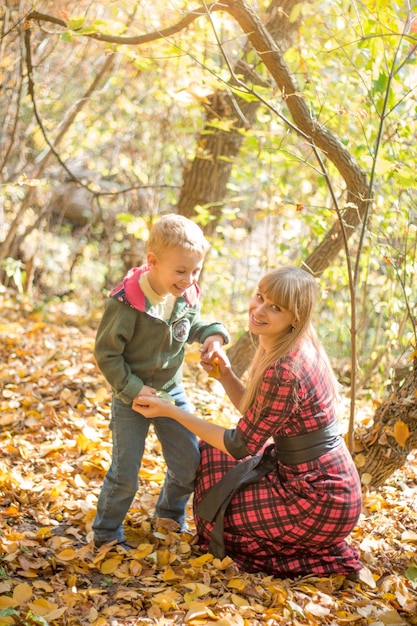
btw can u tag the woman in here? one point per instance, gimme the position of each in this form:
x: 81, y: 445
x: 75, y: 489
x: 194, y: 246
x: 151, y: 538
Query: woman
x: 287, y: 508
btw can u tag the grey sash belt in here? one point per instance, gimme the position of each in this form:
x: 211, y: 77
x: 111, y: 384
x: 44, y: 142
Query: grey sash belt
x: 289, y: 450
x: 303, y: 448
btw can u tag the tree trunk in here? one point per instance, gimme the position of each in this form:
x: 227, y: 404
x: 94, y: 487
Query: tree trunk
x: 205, y: 178
x: 384, y: 447
x: 241, y: 353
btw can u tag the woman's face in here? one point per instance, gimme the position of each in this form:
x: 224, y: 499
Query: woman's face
x: 268, y: 320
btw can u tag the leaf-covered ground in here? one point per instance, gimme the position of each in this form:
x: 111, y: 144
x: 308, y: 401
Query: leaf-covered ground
x: 55, y: 449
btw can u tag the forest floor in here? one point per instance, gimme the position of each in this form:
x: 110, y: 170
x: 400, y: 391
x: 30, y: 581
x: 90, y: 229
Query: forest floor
x: 55, y: 450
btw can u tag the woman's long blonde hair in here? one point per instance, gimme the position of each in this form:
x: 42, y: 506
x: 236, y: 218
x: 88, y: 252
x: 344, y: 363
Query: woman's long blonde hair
x: 295, y: 290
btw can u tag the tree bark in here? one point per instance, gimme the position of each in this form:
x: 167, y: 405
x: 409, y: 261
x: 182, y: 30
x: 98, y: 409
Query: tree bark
x: 355, y: 179
x: 205, y: 178
x: 384, y: 447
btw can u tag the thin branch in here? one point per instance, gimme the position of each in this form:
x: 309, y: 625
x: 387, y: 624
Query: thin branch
x: 188, y: 19
x: 31, y: 90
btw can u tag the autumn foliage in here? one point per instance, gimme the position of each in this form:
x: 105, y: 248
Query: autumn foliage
x: 55, y: 449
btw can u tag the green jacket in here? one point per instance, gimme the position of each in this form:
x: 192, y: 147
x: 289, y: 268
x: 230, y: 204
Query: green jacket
x: 133, y: 348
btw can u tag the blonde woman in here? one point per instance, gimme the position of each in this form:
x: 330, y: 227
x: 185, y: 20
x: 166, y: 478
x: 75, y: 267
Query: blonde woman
x: 279, y: 493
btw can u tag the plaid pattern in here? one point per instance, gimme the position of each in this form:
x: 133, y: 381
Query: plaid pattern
x: 295, y: 520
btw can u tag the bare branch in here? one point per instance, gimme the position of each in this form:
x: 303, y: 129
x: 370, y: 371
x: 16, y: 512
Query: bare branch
x: 188, y: 19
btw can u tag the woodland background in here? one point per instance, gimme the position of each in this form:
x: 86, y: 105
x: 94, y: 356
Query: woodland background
x: 287, y: 131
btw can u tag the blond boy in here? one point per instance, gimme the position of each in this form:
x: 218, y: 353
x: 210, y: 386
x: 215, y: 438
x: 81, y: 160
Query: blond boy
x: 140, y: 350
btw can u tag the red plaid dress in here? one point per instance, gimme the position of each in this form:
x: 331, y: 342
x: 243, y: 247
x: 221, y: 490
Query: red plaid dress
x: 295, y: 520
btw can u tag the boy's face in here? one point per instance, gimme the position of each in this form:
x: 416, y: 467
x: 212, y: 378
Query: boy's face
x: 174, y: 270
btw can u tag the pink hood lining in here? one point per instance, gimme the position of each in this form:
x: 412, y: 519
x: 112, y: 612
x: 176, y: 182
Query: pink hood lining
x: 135, y: 295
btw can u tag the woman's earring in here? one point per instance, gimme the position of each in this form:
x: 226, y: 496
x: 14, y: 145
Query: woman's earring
x: 293, y: 328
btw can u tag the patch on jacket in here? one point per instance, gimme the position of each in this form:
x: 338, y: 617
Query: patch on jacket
x: 181, y: 330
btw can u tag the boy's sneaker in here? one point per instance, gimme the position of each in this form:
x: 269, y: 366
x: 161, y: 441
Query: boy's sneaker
x: 171, y: 526
x: 168, y: 524
x: 116, y: 544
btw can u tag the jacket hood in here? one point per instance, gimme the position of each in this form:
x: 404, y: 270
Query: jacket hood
x: 130, y: 292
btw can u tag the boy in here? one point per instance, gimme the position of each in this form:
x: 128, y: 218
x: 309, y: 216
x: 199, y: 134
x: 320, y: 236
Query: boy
x: 140, y: 350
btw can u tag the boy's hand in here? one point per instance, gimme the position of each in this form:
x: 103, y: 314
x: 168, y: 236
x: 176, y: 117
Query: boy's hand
x: 211, y: 345
x: 147, y: 391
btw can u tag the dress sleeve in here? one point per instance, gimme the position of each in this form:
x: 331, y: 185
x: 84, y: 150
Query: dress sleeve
x: 235, y: 444
x: 276, y: 402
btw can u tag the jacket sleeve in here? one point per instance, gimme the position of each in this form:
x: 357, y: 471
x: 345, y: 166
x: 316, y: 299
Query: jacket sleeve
x: 115, y: 330
x: 201, y: 329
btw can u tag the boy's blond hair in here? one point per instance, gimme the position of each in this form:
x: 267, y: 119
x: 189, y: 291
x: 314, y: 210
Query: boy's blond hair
x: 176, y: 231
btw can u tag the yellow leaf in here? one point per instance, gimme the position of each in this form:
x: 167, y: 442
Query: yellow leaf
x: 197, y: 590
x: 401, y: 433
x: 6, y: 602
x: 215, y: 371
x: 343, y: 617
x: 92, y: 614
x: 222, y: 564
x: 201, y: 560
x: 366, y: 576
x: 232, y: 620
x: 22, y: 593
x: 59, y: 489
x: 155, y: 474
x: 170, y: 575
x: 391, y: 597
x: 42, y: 607
x: 135, y: 568
x: 316, y: 609
x: 143, y: 550
x: 167, y: 600
x: 72, y: 581
x: 190, y: 596
x: 163, y: 557
x: 67, y: 555
x: 201, y: 588
x: 360, y: 460
x: 102, y: 395
x: 184, y: 548
x: 366, y: 479
x: 236, y: 583
x: 239, y: 601
x: 110, y: 565
x: 83, y: 443
x: 198, y: 610
x: 55, y: 614
x: 41, y: 584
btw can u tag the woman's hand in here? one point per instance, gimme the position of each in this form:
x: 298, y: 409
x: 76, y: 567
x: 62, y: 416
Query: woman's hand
x: 152, y: 406
x: 218, y: 365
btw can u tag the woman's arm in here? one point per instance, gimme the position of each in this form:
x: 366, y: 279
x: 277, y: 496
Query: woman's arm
x: 151, y: 406
x: 233, y: 386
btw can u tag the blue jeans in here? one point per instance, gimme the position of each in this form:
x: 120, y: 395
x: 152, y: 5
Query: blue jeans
x: 180, y: 449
